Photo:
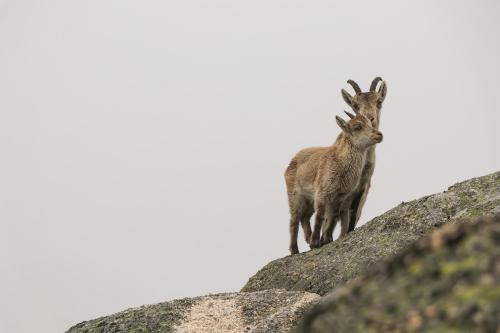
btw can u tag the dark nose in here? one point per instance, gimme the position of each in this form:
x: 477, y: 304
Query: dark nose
x: 379, y: 136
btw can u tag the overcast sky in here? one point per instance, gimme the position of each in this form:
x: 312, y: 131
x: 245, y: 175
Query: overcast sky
x: 143, y: 143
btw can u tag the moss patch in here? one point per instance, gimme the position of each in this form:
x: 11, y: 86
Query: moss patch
x: 334, y: 264
x: 446, y: 282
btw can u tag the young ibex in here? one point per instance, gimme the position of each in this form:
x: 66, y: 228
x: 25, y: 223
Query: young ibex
x: 369, y: 105
x: 319, y: 179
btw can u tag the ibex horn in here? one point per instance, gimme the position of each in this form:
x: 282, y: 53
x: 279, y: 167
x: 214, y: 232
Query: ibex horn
x: 375, y: 81
x: 357, y: 89
x: 350, y: 115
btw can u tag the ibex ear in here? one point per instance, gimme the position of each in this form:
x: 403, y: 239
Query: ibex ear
x: 342, y: 124
x: 347, y: 98
x: 382, y: 90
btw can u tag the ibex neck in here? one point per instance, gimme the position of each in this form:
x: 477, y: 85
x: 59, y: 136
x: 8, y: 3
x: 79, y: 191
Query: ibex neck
x: 350, y: 161
x: 345, y: 144
x: 350, y: 155
x: 370, y: 153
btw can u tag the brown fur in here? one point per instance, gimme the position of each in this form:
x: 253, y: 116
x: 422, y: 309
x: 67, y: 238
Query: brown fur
x: 369, y: 105
x: 319, y: 179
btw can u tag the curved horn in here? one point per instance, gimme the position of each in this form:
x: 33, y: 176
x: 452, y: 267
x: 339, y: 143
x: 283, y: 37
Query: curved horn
x: 375, y: 81
x: 357, y: 89
x: 350, y: 115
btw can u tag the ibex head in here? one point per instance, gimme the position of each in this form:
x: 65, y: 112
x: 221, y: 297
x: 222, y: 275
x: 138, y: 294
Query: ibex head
x: 359, y: 130
x: 367, y: 103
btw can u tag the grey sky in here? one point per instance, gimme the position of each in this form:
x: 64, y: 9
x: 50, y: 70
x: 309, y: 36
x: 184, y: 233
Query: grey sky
x: 143, y: 143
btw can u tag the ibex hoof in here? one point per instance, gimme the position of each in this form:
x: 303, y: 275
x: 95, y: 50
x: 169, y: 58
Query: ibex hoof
x: 326, y: 240
x: 314, y: 244
x: 294, y: 249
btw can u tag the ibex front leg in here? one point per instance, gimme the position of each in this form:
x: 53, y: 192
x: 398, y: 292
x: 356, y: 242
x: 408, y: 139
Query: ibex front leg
x: 358, y: 201
x: 320, y: 216
x: 344, y: 218
x: 331, y: 217
x: 306, y: 224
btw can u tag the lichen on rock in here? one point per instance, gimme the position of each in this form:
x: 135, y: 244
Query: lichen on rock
x: 446, y: 282
x: 321, y: 270
x: 398, y: 279
x: 257, y: 312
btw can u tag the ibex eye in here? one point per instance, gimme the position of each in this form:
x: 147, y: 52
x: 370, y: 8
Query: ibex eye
x: 379, y: 104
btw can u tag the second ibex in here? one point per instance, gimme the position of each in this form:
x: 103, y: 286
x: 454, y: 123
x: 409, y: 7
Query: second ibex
x: 369, y: 105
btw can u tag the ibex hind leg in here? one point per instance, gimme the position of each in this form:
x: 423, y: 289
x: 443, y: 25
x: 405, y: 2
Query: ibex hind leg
x: 294, y: 231
x: 305, y: 221
x: 293, y: 227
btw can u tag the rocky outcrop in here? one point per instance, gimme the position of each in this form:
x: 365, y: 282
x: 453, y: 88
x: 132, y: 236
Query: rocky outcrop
x: 263, y: 311
x: 446, y: 282
x: 321, y: 270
